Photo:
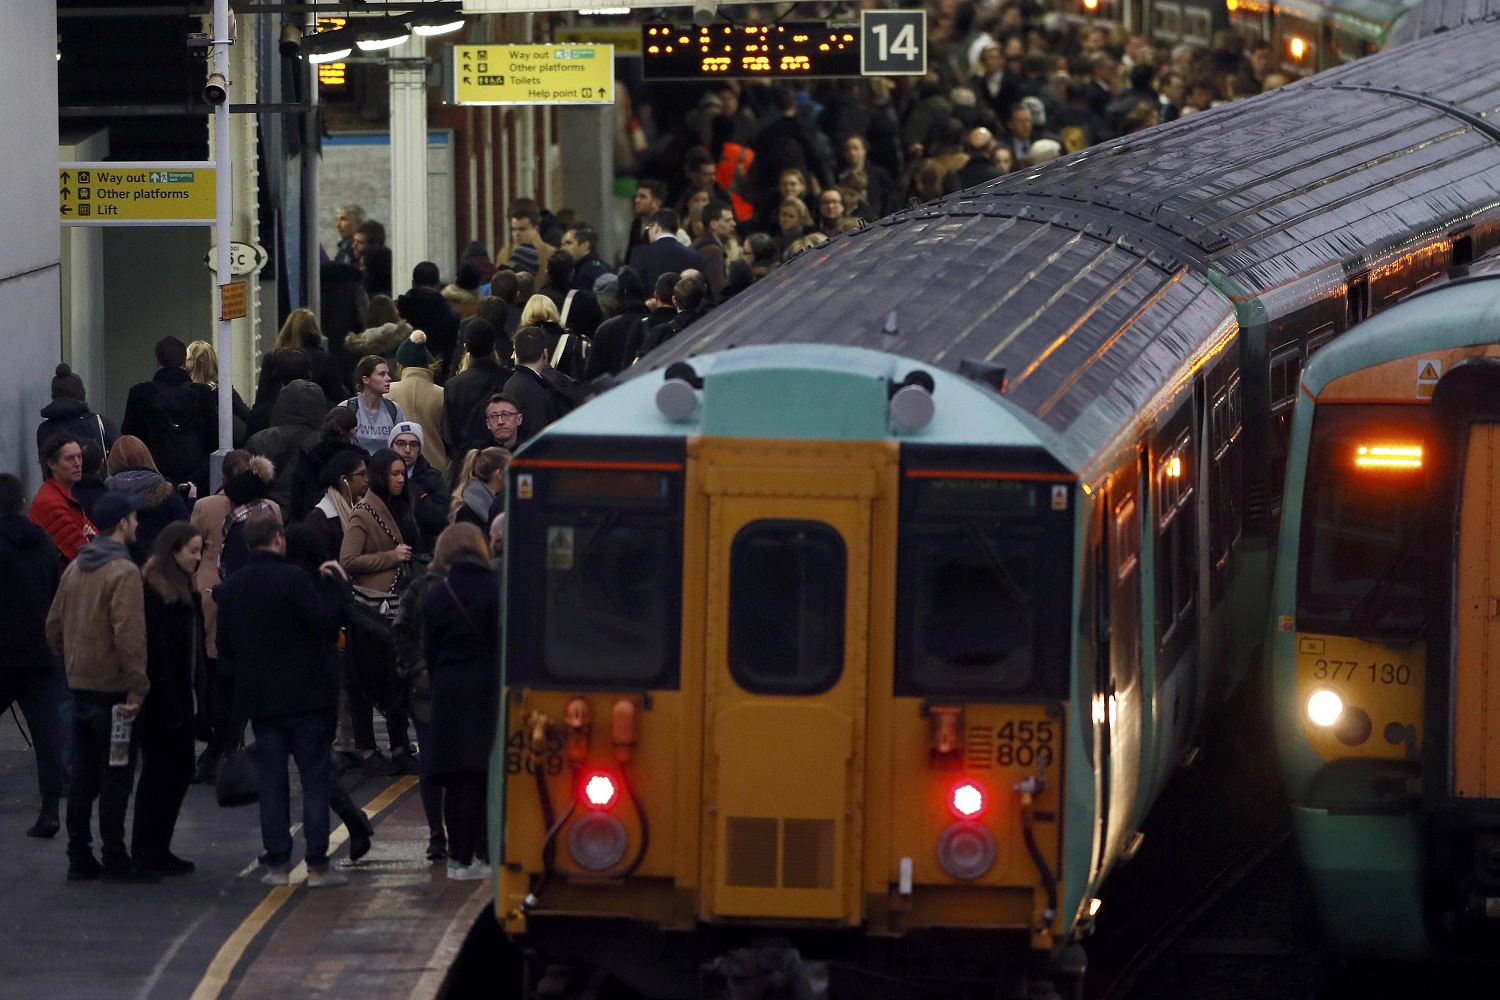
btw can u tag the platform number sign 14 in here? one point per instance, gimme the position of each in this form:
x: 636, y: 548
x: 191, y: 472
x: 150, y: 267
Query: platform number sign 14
x: 893, y: 42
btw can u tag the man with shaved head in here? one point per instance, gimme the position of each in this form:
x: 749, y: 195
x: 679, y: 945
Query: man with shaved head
x: 980, y: 145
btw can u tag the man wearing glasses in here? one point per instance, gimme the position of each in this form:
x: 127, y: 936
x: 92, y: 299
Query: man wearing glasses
x: 502, y: 426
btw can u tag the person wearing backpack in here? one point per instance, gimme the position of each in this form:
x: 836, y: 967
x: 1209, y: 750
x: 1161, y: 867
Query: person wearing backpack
x: 542, y: 393
x: 377, y: 415
x: 175, y: 416
x: 468, y: 391
x: 69, y: 413
x: 296, y: 426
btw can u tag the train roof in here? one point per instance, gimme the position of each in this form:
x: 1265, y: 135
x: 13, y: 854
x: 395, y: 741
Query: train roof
x: 1092, y: 280
x: 1433, y: 17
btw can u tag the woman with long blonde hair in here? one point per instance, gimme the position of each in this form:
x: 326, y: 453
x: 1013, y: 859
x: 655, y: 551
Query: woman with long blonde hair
x: 203, y: 368
x: 480, y: 480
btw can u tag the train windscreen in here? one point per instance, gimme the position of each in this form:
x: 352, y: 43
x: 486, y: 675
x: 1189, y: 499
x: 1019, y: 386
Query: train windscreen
x: 983, y: 594
x: 1361, y: 571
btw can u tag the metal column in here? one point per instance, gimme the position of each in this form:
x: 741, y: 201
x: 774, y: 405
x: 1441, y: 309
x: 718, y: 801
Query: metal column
x: 408, y: 232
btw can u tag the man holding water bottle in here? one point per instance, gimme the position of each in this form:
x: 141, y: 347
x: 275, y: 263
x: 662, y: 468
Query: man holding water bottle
x: 97, y: 624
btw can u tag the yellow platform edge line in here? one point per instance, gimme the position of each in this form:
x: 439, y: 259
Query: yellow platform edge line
x: 219, y: 971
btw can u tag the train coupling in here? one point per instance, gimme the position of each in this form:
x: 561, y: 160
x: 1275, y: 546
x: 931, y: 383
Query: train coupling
x: 767, y: 972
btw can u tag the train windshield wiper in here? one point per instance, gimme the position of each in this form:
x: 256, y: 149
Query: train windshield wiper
x: 1375, y: 605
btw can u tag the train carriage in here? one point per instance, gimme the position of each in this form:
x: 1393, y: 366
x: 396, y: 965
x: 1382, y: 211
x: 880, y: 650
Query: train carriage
x: 1384, y: 624
x: 794, y: 610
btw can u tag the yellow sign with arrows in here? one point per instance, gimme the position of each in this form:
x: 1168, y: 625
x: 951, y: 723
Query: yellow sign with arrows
x: 135, y: 194
x: 534, y: 74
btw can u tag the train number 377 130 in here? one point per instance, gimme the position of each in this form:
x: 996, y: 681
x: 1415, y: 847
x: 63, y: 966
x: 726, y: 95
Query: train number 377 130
x: 1353, y: 670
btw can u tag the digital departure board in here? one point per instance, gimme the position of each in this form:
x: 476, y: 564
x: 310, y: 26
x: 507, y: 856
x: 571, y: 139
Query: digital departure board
x: 789, y: 49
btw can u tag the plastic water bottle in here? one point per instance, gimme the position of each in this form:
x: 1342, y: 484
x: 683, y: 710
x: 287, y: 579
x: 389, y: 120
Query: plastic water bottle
x: 119, y: 739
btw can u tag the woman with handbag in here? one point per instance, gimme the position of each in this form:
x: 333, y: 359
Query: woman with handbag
x: 174, y: 651
x: 377, y: 553
x: 460, y: 640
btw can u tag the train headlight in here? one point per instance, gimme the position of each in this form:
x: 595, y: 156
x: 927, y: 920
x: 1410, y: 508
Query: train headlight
x: 966, y: 850
x: 1297, y: 47
x: 598, y: 841
x: 1325, y: 708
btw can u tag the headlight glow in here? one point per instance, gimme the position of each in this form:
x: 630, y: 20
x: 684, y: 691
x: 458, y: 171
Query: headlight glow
x: 1324, y: 708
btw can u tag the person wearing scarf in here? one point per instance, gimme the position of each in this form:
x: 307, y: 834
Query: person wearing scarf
x: 345, y: 480
x: 132, y: 471
x: 481, y: 487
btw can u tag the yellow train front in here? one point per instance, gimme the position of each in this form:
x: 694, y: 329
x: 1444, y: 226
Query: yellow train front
x: 732, y: 741
x: 1386, y: 637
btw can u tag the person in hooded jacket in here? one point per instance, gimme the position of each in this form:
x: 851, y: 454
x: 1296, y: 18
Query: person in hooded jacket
x: 30, y: 675
x: 296, y: 426
x: 384, y: 331
x: 467, y: 392
x: 607, y: 355
x: 132, y: 471
x: 174, y: 650
x: 424, y: 307
x: 337, y: 435
x: 69, y: 413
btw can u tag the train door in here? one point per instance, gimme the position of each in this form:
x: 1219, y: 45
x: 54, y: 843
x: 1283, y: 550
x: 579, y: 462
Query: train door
x: 1476, y: 641
x: 787, y: 639
x: 1124, y: 694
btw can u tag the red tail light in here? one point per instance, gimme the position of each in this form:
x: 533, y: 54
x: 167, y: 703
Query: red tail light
x: 600, y: 791
x: 967, y: 800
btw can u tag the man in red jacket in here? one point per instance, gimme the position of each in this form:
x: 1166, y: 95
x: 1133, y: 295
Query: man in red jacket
x: 54, y: 507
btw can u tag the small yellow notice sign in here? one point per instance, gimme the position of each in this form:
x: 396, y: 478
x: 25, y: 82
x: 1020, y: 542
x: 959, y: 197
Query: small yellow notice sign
x: 232, y: 300
x: 135, y: 194
x: 534, y: 74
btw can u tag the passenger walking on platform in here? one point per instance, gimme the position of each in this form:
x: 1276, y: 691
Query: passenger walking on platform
x: 384, y: 331
x: 275, y: 621
x: 425, y: 309
x: 69, y: 413
x: 424, y: 484
x: 203, y: 366
x: 588, y: 266
x: 174, y: 655
x: 380, y: 541
x: 534, y: 384
x: 346, y: 221
x: 54, y: 507
x: 461, y: 613
x: 133, y: 472
x: 97, y: 625
x: 607, y: 355
x: 664, y: 253
x: 650, y: 196
x: 467, y: 393
x: 90, y: 486
x: 30, y: 675
x: 502, y: 429
x: 301, y: 333
x: 337, y: 435
x: 213, y: 683
x: 377, y: 415
x: 407, y: 637
x: 295, y: 428
x: 175, y: 416
x: 421, y: 399
x: 345, y: 481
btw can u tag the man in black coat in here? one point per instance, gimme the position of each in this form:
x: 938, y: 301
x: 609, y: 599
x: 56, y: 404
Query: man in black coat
x: 466, y: 393
x: 660, y: 309
x: 175, y: 416
x: 980, y: 144
x: 425, y: 309
x: 535, y: 384
x: 607, y: 356
x: 663, y: 253
x: 29, y: 675
x: 274, y: 623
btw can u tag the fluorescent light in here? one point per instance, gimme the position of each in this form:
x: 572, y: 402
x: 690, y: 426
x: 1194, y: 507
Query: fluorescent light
x: 604, y: 11
x: 428, y: 30
x: 381, y: 33
x: 375, y: 44
x: 317, y: 58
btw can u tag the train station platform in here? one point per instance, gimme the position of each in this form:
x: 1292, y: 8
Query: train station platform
x: 219, y: 933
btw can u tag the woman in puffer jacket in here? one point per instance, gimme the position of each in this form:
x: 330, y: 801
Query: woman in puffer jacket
x: 385, y: 332
x: 132, y: 471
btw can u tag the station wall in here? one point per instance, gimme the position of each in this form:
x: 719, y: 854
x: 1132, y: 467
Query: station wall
x: 30, y: 319
x: 357, y: 168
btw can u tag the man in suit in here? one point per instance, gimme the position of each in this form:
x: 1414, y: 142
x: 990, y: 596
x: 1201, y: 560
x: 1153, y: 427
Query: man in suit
x: 664, y: 253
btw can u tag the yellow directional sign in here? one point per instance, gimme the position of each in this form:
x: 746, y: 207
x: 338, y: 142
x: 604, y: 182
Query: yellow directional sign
x: 625, y: 38
x: 135, y: 194
x: 534, y: 74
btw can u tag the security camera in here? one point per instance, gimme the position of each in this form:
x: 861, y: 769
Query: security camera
x: 216, y: 90
x: 704, y: 12
x: 291, y: 41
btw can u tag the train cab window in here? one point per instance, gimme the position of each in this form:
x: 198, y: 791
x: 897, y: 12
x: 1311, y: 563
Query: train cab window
x: 1224, y: 434
x: 1176, y: 540
x: 983, y: 593
x: 604, y: 550
x: 787, y: 589
x: 1286, y: 369
x: 1361, y: 571
x: 1127, y: 539
x: 1463, y: 250
x: 1356, y: 301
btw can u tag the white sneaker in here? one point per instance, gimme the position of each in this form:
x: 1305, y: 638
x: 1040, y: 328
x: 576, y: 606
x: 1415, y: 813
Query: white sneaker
x: 277, y: 875
x: 453, y: 866
x: 474, y: 871
x: 325, y: 878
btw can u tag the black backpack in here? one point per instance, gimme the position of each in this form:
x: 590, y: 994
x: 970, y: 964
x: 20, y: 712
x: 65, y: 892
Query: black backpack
x: 567, y: 393
x: 174, y: 429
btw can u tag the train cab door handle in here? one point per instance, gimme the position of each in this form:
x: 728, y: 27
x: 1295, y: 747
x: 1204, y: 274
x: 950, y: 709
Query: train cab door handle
x: 1494, y: 607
